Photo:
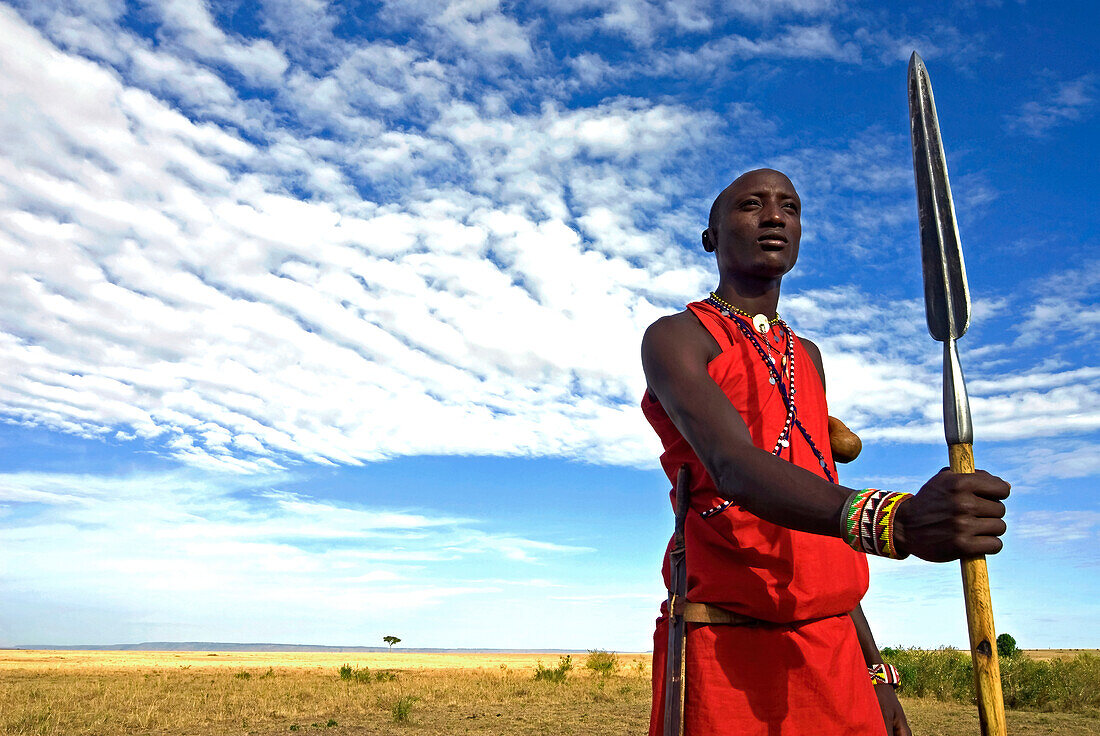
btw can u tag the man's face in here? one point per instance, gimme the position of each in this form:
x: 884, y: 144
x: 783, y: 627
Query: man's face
x: 759, y: 232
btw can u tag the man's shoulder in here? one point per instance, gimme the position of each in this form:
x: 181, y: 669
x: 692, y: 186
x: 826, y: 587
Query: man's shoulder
x: 814, y: 352
x: 676, y: 327
x: 679, y: 333
x: 810, y: 346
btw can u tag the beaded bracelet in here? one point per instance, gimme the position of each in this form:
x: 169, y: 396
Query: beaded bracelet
x: 884, y: 674
x: 868, y: 521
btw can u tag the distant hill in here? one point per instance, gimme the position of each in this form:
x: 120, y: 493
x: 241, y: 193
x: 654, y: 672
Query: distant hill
x: 217, y: 646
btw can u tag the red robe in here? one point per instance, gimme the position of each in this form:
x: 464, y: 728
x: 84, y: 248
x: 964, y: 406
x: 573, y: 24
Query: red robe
x: 774, y: 680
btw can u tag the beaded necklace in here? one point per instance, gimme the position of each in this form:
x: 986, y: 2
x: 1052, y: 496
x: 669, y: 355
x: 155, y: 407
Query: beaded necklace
x: 776, y: 379
x: 759, y: 321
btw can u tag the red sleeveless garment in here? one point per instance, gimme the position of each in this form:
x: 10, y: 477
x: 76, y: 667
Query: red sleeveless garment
x: 772, y: 680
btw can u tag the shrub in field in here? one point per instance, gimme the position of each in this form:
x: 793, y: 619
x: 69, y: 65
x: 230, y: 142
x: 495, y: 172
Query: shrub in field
x: 947, y: 674
x: 943, y: 674
x: 601, y: 662
x: 243, y: 675
x: 402, y: 709
x: 359, y: 674
x: 554, y: 674
x: 385, y: 676
x: 1055, y: 685
x: 1006, y: 646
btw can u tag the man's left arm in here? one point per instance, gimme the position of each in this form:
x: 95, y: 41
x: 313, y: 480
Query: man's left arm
x: 892, y: 713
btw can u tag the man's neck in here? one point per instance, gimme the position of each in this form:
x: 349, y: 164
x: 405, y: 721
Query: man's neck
x: 754, y: 298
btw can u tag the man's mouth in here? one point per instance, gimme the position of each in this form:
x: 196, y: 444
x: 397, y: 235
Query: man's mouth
x: 772, y: 241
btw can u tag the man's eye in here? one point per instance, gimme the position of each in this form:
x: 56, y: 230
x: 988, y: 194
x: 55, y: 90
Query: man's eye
x: 791, y: 206
x: 750, y: 203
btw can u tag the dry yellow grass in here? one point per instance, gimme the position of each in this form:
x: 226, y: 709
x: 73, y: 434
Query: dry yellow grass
x: 1048, y: 654
x: 76, y: 660
x: 159, y: 693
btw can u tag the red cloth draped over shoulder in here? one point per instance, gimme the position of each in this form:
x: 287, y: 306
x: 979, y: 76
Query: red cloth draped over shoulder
x: 791, y: 677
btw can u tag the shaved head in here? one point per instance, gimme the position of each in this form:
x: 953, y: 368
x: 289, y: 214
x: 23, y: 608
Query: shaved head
x: 720, y: 202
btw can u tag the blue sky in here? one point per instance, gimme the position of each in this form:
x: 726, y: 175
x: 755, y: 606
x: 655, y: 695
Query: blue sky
x: 321, y: 320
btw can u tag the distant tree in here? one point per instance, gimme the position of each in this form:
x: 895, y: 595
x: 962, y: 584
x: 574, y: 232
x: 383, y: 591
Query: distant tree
x: 1006, y: 646
x: 391, y: 640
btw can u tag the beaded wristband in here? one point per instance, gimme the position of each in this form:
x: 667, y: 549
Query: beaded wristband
x: 884, y: 674
x: 868, y: 521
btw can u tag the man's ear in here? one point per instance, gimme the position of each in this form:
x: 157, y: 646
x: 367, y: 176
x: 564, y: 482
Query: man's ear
x: 708, y: 244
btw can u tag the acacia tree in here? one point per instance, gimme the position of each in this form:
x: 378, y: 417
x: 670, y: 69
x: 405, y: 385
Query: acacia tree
x: 391, y: 640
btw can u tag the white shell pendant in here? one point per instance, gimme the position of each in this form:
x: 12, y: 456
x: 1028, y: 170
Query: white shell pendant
x: 760, y: 322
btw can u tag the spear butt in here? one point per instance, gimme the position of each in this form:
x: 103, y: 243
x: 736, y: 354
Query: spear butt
x: 979, y: 621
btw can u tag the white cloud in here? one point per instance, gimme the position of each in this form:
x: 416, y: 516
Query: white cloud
x: 716, y: 57
x: 1043, y: 463
x: 304, y: 30
x: 1068, y: 102
x: 479, y: 27
x: 188, y: 25
x: 1059, y: 527
x: 140, y: 543
x: 164, y: 283
x: 646, y: 22
x: 1061, y: 307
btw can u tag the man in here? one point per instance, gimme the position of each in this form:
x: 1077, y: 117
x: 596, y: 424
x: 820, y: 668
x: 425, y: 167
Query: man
x: 739, y: 401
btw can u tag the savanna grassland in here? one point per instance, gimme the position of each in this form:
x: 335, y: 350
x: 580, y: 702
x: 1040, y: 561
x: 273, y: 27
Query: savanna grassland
x: 77, y: 693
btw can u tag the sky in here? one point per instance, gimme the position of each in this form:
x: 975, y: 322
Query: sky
x: 320, y: 321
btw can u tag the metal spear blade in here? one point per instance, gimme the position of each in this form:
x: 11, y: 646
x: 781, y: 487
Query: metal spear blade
x: 946, y: 296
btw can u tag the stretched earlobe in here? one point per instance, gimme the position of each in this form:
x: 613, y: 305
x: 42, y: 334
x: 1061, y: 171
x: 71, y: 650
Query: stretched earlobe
x: 707, y: 245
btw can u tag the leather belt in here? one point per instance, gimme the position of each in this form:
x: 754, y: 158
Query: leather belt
x: 705, y: 613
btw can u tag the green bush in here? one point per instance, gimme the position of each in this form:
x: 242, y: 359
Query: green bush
x: 947, y: 674
x: 402, y: 709
x: 1006, y: 646
x: 243, y: 675
x: 554, y: 674
x: 359, y: 674
x: 601, y: 662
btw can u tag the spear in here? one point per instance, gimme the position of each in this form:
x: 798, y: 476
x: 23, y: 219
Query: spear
x: 947, y: 306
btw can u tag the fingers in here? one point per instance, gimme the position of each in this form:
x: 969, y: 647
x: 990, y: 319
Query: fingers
x: 954, y: 515
x: 983, y: 484
x: 980, y: 537
x: 981, y: 546
x: 987, y: 493
x: 984, y: 508
x: 988, y: 527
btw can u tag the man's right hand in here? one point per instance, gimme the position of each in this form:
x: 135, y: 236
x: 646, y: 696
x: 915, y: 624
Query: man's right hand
x: 953, y: 515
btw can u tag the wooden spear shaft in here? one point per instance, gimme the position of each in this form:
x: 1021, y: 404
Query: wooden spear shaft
x: 979, y: 622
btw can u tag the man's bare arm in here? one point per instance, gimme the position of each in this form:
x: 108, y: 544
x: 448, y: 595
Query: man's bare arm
x: 953, y: 515
x: 674, y: 357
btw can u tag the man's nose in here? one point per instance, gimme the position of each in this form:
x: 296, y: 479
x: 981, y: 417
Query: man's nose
x: 771, y: 214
